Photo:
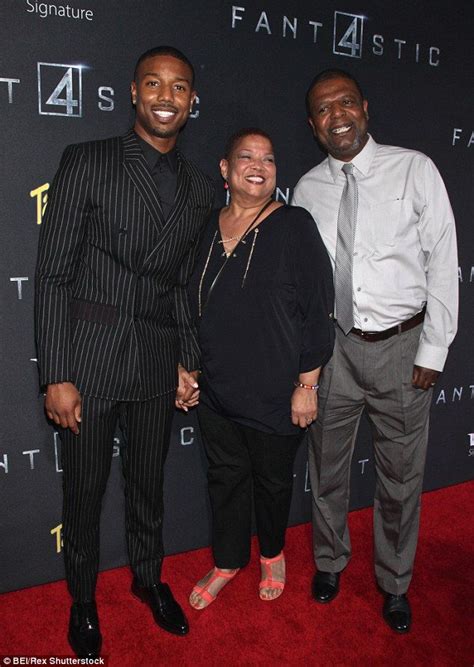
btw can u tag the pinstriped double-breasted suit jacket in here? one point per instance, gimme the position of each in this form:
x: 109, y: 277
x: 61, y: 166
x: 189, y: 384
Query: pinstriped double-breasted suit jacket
x: 112, y: 314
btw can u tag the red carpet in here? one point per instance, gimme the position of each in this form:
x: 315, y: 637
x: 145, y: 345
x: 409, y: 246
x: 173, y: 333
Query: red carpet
x: 239, y: 629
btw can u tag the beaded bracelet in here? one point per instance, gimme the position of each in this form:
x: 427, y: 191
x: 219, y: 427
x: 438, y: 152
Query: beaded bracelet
x: 314, y: 387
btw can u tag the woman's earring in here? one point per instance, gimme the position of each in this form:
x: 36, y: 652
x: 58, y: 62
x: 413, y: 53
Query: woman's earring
x: 226, y: 185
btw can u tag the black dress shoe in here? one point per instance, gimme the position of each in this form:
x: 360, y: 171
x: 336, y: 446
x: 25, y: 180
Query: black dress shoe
x: 397, y: 613
x: 166, y: 611
x: 84, y: 633
x: 325, y: 586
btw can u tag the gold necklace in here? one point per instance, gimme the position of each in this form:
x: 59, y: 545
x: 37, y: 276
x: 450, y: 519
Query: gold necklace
x: 241, y: 240
x: 232, y: 238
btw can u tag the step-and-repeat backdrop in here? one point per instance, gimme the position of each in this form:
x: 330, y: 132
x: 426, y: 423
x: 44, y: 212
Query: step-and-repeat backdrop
x: 65, y: 74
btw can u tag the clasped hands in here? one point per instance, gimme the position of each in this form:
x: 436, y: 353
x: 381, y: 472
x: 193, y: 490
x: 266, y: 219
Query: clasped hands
x: 187, y: 393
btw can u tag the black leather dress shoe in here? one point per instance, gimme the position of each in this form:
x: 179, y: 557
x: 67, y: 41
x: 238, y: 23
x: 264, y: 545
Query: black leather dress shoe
x: 325, y: 586
x: 166, y: 611
x: 84, y: 633
x: 397, y: 613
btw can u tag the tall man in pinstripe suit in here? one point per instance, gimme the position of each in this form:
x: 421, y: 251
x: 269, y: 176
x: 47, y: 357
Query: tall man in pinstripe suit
x: 114, y: 333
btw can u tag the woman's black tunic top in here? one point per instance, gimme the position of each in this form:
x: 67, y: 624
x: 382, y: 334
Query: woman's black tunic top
x: 267, y: 318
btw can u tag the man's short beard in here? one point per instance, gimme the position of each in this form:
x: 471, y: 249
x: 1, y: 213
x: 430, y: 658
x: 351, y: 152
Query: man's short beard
x: 357, y: 145
x: 164, y: 134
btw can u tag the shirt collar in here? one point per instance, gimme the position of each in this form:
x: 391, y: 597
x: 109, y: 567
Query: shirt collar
x: 361, y: 162
x: 152, y: 155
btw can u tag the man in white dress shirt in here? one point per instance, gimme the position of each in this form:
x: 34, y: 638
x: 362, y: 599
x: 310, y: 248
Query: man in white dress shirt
x: 397, y: 304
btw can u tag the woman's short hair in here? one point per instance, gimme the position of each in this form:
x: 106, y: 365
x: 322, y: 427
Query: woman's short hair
x: 241, y: 134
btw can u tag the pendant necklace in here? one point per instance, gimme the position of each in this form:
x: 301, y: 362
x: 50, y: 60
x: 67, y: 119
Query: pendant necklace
x: 239, y: 240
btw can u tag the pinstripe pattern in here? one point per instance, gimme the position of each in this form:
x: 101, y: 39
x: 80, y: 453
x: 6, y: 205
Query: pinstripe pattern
x: 112, y: 316
x: 86, y: 459
x: 104, y: 242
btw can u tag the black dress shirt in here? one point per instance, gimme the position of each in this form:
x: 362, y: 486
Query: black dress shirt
x: 164, y: 170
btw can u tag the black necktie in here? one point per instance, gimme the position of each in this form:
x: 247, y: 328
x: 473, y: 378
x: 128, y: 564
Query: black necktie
x: 165, y: 180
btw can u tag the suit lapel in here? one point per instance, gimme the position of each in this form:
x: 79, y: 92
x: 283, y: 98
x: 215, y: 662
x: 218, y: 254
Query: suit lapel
x: 182, y: 192
x: 136, y: 167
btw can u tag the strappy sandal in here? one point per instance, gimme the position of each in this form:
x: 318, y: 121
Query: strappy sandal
x: 204, y: 591
x: 268, y: 581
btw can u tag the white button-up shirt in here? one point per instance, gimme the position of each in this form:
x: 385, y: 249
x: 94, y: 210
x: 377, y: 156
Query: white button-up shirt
x: 405, y: 253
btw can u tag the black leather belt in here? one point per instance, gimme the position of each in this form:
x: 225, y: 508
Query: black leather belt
x: 374, y: 336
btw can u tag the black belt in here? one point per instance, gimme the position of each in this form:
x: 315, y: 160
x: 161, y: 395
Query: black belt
x: 374, y: 336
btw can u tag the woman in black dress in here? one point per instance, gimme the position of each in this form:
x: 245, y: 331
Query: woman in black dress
x: 263, y: 292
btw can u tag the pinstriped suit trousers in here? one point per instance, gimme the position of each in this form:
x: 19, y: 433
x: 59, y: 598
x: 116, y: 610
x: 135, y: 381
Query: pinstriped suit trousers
x: 375, y: 377
x: 86, y: 460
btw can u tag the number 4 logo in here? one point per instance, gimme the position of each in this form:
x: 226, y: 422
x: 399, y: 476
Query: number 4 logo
x: 63, y: 98
x: 348, y: 33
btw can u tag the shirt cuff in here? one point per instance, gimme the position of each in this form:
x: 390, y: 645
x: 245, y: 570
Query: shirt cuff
x: 431, y: 356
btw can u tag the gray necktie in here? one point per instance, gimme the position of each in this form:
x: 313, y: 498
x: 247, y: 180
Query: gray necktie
x: 346, y: 223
